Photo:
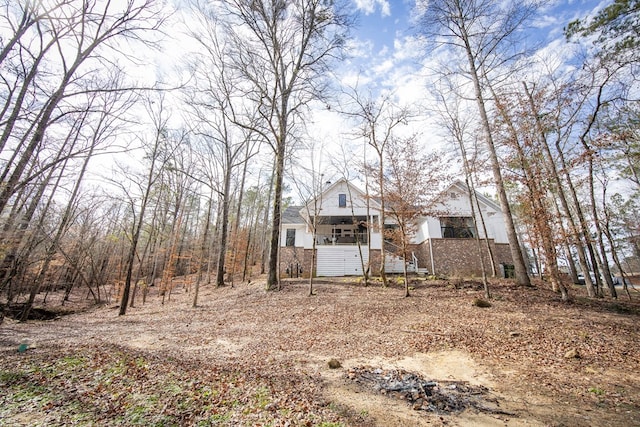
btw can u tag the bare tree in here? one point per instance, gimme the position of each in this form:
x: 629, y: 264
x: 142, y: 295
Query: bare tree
x: 202, y: 254
x: 74, y: 40
x: 483, y: 30
x: 344, y: 164
x: 282, y: 50
x: 521, y: 134
x: 214, y: 99
x: 411, y: 180
x: 457, y: 125
x: 563, y: 106
x: 309, y: 181
x: 95, y: 134
x: 377, y: 121
x: 157, y: 156
x: 607, y: 89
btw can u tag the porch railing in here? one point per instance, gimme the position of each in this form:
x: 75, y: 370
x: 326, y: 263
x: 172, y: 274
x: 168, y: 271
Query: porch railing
x: 339, y: 239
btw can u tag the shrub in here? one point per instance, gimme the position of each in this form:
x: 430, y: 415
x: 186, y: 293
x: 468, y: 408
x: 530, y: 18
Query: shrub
x: 479, y: 302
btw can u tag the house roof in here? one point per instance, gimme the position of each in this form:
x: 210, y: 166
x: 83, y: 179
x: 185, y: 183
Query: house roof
x: 291, y: 215
x: 375, y: 202
x: 294, y: 214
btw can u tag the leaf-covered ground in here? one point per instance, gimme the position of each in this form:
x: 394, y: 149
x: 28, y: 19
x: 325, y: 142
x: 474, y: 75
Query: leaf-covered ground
x: 249, y: 357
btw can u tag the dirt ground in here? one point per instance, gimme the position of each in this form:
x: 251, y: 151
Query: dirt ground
x: 245, y: 356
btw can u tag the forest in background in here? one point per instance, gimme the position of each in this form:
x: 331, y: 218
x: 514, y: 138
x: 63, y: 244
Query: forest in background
x: 111, y: 182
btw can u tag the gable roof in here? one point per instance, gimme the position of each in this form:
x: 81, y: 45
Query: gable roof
x: 294, y: 214
x: 291, y: 215
x: 355, y: 190
x: 483, y: 199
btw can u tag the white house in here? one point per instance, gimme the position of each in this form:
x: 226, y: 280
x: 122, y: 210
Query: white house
x: 348, y: 235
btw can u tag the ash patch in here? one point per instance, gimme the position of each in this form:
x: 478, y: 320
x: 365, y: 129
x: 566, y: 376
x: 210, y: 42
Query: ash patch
x: 441, y: 397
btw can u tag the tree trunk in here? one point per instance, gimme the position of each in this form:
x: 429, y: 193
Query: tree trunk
x: 273, y: 280
x: 203, y: 251
x: 224, y: 229
x: 522, y: 278
x: 383, y: 274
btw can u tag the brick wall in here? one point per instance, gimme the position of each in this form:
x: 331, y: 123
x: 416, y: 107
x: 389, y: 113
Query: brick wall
x: 290, y: 256
x: 502, y: 253
x: 460, y: 256
x: 374, y: 262
x: 307, y: 267
x: 451, y: 257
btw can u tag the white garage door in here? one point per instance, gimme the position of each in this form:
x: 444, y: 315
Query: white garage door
x: 340, y: 260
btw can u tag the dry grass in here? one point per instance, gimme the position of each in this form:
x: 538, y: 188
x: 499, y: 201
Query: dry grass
x: 250, y: 357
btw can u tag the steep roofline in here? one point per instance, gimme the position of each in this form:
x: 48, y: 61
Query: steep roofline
x: 287, y: 217
x: 331, y: 186
x: 461, y: 185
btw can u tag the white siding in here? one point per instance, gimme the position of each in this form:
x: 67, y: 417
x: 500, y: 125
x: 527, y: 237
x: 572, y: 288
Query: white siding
x: 459, y: 206
x: 329, y: 205
x: 300, y: 234
x: 340, y: 260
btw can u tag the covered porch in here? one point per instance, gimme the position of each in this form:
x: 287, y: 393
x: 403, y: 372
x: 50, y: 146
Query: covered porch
x: 344, y: 230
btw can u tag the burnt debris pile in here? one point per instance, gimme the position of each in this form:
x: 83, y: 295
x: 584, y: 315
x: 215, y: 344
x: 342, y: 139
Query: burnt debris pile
x: 441, y: 397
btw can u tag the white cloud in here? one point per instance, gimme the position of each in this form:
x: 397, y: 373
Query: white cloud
x: 384, y: 52
x: 358, y: 48
x: 408, y: 48
x: 385, y: 8
x: 384, y: 67
x: 369, y: 6
x: 545, y: 21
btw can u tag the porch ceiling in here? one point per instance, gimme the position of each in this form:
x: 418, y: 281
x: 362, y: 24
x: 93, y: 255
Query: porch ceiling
x: 339, y: 220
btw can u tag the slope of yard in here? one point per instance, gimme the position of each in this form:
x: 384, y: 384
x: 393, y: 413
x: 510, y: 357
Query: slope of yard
x: 250, y: 357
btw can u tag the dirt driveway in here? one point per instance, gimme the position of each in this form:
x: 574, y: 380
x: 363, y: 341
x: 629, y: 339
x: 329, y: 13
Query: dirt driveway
x: 538, y: 360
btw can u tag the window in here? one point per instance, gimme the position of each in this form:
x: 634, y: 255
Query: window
x: 291, y: 237
x: 342, y: 200
x: 457, y: 227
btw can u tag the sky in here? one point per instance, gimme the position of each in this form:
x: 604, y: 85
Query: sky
x: 386, y: 37
x: 384, y: 22
x: 385, y: 54
x: 386, y: 27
